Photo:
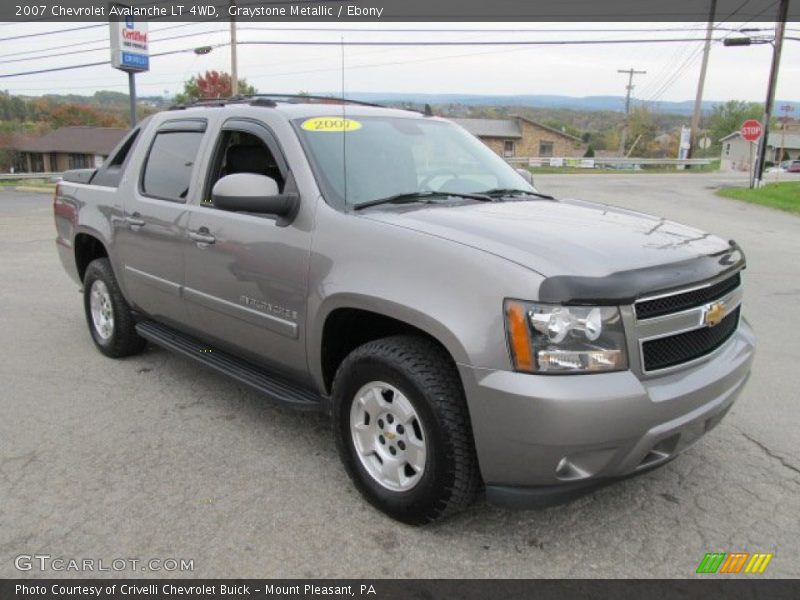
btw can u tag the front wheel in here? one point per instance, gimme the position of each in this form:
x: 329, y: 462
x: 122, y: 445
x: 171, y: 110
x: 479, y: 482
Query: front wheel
x: 403, y: 431
x: 108, y: 315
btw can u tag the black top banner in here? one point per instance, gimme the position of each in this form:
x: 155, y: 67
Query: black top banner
x: 395, y: 10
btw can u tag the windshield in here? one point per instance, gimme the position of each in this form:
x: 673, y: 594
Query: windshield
x: 388, y: 156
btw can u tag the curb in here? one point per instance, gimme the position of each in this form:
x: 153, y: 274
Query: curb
x: 31, y: 188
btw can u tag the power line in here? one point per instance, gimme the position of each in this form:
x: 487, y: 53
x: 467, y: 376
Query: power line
x: 655, y: 82
x: 95, y: 64
x: 358, y: 30
x: 42, y: 33
x: 692, y: 58
x: 95, y: 41
x: 106, y: 48
x: 469, y: 43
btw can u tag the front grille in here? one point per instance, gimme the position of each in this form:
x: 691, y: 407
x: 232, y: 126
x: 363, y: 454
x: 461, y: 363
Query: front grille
x: 678, y: 302
x: 680, y: 348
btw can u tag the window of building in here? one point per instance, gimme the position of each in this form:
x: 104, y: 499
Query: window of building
x: 79, y: 161
x: 545, y: 148
x: 37, y: 162
x: 727, y: 149
x: 168, y: 169
x: 508, y: 148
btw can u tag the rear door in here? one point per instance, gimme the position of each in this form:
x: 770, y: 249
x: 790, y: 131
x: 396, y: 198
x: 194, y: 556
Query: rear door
x: 246, y: 274
x: 152, y: 241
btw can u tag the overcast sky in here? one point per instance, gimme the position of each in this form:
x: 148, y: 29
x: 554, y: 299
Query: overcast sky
x: 672, y: 68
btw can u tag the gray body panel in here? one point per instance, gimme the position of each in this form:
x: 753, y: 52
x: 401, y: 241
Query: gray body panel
x: 264, y: 289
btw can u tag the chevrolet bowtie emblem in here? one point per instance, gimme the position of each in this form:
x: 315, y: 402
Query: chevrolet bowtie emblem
x: 714, y: 313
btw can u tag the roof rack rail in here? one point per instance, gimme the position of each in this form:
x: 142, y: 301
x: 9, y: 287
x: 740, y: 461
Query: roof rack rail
x: 270, y: 100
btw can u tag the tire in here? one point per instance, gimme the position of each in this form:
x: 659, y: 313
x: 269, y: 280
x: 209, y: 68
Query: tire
x: 423, y: 374
x: 112, y: 330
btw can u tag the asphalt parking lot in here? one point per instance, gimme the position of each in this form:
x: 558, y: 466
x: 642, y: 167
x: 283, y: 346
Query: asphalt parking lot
x: 152, y: 457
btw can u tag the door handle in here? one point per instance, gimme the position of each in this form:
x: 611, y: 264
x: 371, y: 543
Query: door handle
x: 202, y: 237
x: 134, y: 222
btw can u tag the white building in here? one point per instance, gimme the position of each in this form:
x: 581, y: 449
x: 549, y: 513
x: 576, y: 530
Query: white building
x: 737, y: 153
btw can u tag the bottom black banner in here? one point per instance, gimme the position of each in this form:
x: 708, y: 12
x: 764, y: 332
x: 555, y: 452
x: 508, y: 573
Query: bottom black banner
x: 384, y: 589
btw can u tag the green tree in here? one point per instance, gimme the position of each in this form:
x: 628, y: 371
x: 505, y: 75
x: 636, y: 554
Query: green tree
x: 642, y: 128
x: 589, y: 152
x: 727, y: 118
x: 211, y: 84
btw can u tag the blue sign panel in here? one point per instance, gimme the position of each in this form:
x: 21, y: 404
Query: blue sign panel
x: 134, y: 62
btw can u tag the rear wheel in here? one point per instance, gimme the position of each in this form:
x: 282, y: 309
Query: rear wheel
x: 108, y: 315
x: 403, y: 431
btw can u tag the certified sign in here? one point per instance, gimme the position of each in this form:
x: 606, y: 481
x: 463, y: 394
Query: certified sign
x: 129, y: 45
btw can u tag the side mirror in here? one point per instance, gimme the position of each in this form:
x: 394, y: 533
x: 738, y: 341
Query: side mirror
x: 249, y: 192
x: 526, y: 175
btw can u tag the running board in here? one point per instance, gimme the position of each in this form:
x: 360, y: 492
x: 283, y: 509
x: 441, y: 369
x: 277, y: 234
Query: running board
x: 276, y: 389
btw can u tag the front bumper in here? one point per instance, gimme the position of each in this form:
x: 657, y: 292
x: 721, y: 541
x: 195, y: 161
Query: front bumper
x: 542, y: 439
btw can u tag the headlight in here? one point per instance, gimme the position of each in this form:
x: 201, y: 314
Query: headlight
x: 546, y: 338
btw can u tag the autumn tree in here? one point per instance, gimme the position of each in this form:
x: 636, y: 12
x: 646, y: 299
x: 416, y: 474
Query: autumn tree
x: 66, y: 115
x: 211, y: 84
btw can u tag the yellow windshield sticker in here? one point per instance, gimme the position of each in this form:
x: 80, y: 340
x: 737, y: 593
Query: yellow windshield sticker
x: 330, y: 124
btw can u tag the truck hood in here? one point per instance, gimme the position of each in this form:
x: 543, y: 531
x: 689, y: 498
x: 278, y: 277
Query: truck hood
x: 559, y: 238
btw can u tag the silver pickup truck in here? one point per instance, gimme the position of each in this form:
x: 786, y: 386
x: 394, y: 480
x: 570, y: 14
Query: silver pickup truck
x: 465, y: 332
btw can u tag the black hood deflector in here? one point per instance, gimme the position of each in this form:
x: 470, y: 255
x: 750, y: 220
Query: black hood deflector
x: 625, y: 287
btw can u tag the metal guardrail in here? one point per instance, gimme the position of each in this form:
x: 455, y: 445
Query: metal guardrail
x: 49, y: 176
x: 593, y: 163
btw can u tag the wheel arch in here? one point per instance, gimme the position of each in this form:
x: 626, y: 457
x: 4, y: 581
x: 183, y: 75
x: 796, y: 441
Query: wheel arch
x: 348, y: 321
x: 88, y: 245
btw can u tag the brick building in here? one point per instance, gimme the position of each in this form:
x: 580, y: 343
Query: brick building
x: 66, y: 148
x: 522, y: 137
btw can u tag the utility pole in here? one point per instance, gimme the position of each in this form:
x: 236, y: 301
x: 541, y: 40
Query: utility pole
x: 234, y: 61
x: 786, y: 109
x: 777, y: 46
x: 698, y: 101
x: 630, y: 72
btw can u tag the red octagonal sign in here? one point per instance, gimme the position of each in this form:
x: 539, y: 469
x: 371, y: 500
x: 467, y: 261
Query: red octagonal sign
x: 751, y: 130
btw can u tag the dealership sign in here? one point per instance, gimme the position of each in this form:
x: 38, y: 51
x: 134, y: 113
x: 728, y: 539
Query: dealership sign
x: 129, y: 45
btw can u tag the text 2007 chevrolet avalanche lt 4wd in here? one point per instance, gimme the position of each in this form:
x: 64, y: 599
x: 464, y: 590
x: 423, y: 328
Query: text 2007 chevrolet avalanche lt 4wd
x: 465, y: 332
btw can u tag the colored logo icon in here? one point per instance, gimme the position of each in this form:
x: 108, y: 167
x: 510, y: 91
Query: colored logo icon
x: 734, y: 562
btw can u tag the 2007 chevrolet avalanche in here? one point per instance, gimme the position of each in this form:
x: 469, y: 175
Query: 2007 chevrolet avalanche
x: 465, y: 332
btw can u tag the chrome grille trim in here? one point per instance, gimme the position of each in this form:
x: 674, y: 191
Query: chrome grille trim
x: 680, y: 322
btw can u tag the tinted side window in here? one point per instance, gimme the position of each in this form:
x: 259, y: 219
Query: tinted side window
x: 168, y: 169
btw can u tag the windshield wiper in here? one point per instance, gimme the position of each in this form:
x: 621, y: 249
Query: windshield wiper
x: 502, y: 192
x: 409, y: 197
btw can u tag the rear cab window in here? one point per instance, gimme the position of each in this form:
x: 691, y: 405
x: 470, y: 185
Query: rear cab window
x: 110, y: 174
x: 167, y: 170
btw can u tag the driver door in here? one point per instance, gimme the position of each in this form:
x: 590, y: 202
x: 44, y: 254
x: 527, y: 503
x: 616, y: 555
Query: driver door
x: 246, y: 274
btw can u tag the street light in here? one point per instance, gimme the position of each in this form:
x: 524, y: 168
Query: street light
x: 742, y: 41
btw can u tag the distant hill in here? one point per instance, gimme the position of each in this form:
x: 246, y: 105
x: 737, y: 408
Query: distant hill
x: 588, y: 103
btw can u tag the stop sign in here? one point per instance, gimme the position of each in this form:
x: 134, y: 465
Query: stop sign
x: 751, y: 130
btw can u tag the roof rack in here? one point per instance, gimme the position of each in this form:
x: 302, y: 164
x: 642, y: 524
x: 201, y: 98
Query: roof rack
x: 271, y: 100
